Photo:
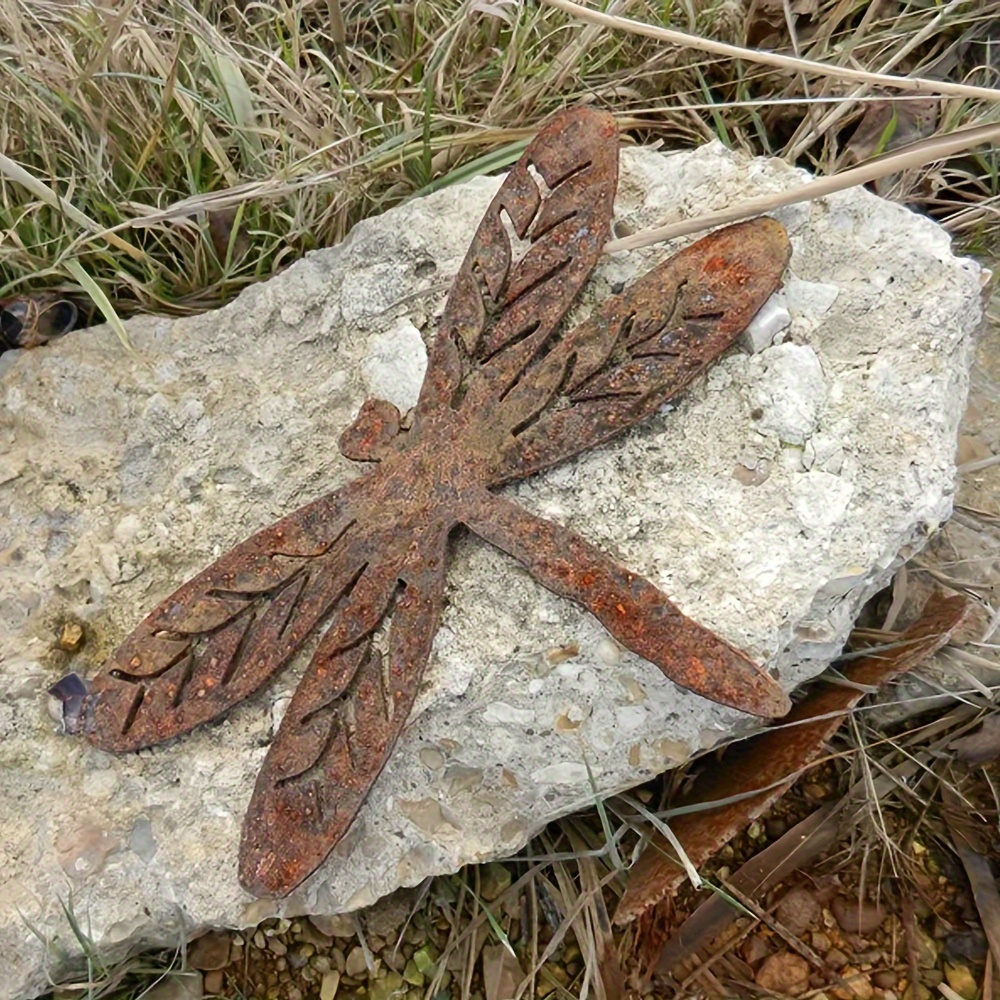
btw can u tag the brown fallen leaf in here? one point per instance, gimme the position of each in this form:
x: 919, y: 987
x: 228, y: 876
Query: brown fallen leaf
x: 971, y: 838
x: 799, y: 846
x: 501, y: 972
x: 982, y: 746
x: 695, y: 945
x: 229, y: 241
x: 887, y: 125
x: 756, y: 772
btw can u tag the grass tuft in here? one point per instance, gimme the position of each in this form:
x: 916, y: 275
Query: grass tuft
x: 173, y: 153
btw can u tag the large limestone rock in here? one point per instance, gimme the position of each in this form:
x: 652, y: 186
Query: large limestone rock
x: 770, y: 503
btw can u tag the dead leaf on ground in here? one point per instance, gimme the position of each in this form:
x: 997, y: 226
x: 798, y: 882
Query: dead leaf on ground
x: 229, y: 243
x: 887, y: 125
x: 758, y: 771
x: 982, y: 746
x: 501, y: 972
x: 971, y: 837
x: 799, y: 846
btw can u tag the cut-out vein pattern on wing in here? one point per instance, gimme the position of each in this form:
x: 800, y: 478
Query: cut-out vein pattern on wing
x: 503, y: 310
x: 631, y: 608
x: 641, y: 347
x: 221, y: 635
x: 335, y: 739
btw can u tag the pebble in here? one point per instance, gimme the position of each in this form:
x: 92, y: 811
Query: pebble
x: 214, y: 981
x: 259, y: 941
x: 798, y: 910
x: 71, y: 637
x: 857, y: 916
x: 356, y: 965
x: 821, y: 942
x: 314, y: 936
x: 301, y: 955
x: 835, y: 958
x: 551, y: 978
x: 494, y: 879
x: 209, y: 952
x: 321, y: 963
x: 961, y: 980
x: 328, y: 987
x: 412, y: 974
x: 293, y: 993
x: 277, y: 946
x: 858, y: 986
x: 339, y: 959
x: 776, y: 827
x: 425, y: 959
x: 784, y: 972
x: 815, y: 791
x: 341, y: 925
x: 386, y: 987
x: 754, y: 950
x: 885, y: 979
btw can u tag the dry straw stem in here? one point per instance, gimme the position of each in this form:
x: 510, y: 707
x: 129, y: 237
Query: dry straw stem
x: 914, y: 84
x: 918, y: 155
x: 16, y: 173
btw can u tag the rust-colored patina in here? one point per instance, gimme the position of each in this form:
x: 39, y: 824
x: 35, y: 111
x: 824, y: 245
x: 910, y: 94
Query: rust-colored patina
x: 506, y: 395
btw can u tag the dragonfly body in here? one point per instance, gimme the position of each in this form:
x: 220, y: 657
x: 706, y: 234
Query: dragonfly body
x: 356, y: 579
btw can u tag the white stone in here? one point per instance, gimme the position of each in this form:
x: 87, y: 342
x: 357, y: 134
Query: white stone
x: 791, y: 392
x: 395, y: 365
x: 772, y: 318
x: 219, y: 424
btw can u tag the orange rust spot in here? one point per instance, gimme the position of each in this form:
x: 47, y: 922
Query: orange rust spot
x: 136, y: 661
x: 588, y: 579
x: 620, y: 609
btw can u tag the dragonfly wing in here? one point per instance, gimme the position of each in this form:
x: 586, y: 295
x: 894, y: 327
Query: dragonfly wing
x: 558, y: 198
x: 635, y: 612
x: 337, y: 735
x: 641, y: 347
x: 222, y: 634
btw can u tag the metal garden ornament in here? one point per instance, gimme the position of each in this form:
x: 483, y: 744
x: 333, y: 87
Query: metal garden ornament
x: 507, y: 393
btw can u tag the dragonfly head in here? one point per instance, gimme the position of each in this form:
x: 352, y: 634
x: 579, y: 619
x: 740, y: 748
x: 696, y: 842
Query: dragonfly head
x: 374, y: 434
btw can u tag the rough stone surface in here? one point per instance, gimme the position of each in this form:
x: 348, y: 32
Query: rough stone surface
x: 775, y: 498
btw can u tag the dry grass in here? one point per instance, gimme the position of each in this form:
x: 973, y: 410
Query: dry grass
x: 168, y: 154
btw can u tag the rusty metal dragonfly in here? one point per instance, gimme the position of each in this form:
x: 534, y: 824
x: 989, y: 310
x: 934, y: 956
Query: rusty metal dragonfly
x: 506, y: 395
